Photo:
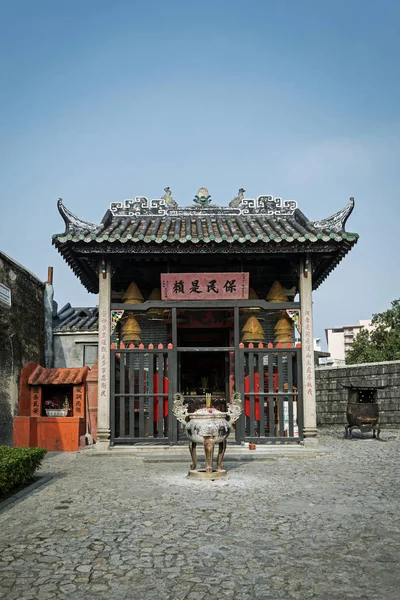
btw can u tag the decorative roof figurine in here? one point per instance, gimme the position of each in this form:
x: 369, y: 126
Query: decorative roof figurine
x: 202, y: 198
x: 169, y: 201
x: 265, y: 224
x: 237, y: 200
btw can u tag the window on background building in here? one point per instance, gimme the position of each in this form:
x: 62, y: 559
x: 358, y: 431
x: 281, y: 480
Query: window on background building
x: 90, y: 355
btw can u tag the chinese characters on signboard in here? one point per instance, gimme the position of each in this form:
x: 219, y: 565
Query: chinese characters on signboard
x: 205, y: 286
x: 104, y: 343
x: 309, y: 353
x: 78, y: 401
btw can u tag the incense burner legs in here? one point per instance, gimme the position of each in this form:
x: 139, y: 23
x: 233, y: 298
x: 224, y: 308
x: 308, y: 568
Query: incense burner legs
x: 209, y: 444
x: 221, y: 454
x: 193, y: 454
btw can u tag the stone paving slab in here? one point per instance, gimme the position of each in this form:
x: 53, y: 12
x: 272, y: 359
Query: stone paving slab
x: 122, y: 528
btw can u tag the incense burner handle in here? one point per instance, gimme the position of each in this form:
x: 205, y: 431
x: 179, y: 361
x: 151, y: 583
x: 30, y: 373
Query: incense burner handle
x: 235, y: 407
x: 179, y: 410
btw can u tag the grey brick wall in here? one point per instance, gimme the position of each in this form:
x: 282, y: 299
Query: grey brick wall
x: 332, y: 396
x: 22, y: 336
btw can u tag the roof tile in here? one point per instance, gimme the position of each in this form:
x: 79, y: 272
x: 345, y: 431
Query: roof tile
x: 42, y: 376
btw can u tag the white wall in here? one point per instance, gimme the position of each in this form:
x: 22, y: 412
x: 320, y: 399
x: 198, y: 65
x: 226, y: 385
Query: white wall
x: 336, y: 343
x: 68, y: 348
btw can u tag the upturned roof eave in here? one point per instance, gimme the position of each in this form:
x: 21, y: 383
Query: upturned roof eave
x: 69, y: 251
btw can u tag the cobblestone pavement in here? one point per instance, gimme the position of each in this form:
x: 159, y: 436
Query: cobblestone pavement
x: 120, y: 528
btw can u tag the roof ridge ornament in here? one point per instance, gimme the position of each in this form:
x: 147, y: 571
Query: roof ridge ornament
x: 237, y: 200
x: 336, y: 222
x: 74, y: 224
x: 265, y: 205
x: 202, y: 198
x: 169, y: 201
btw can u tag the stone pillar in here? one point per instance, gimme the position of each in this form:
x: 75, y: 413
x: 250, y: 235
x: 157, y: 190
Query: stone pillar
x: 103, y: 415
x: 307, y: 355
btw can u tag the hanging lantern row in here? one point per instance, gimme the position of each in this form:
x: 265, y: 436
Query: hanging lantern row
x: 252, y: 330
x: 131, y: 331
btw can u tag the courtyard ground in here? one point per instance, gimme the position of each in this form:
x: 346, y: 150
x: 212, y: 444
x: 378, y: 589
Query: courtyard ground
x: 119, y: 527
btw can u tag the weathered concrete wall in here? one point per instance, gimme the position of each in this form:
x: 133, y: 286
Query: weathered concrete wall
x: 332, y: 397
x: 22, y: 336
x: 68, y: 348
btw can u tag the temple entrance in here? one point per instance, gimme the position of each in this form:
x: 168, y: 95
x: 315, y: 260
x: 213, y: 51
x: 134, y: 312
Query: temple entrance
x: 203, y: 362
x: 204, y: 371
x: 201, y: 373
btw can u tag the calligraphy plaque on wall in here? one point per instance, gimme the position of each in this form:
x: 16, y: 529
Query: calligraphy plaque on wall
x: 205, y: 286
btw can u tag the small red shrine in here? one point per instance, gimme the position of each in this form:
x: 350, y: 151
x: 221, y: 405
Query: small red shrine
x: 44, y: 394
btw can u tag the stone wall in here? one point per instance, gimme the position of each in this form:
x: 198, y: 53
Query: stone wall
x: 22, y: 336
x: 332, y: 396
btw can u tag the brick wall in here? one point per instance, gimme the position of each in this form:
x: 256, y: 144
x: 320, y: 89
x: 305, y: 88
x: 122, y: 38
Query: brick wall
x: 332, y: 396
x: 22, y: 336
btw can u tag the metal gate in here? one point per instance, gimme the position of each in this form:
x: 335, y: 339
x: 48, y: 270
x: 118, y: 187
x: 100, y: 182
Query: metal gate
x: 141, y: 396
x: 143, y: 381
x: 269, y: 380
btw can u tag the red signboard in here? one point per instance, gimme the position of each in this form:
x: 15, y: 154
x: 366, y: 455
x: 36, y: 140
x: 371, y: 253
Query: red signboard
x: 205, y: 286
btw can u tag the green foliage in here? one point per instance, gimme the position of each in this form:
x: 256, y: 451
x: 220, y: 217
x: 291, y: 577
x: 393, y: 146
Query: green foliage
x: 17, y: 466
x: 380, y: 344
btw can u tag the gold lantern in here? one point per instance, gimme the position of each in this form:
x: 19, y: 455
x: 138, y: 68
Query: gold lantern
x: 277, y: 293
x: 283, y: 330
x: 252, y: 296
x: 131, y: 331
x: 253, y: 332
x: 133, y: 295
x: 155, y: 314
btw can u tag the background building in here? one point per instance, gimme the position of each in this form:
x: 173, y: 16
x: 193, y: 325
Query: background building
x: 340, y: 339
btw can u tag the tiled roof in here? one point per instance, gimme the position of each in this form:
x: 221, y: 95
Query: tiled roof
x: 206, y: 229
x: 70, y: 319
x: 42, y: 376
x: 264, y: 224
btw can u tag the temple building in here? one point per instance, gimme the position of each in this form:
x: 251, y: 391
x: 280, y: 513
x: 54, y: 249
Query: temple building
x: 204, y: 299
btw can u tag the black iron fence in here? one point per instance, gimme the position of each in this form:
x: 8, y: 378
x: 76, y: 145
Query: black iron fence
x: 269, y: 380
x: 140, y: 395
x: 143, y: 381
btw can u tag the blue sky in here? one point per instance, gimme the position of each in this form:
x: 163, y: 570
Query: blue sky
x: 102, y: 101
